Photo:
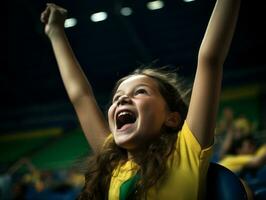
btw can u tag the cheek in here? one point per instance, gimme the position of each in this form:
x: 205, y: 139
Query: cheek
x: 155, y: 112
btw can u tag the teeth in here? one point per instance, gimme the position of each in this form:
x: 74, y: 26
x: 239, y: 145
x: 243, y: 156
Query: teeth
x: 124, y: 113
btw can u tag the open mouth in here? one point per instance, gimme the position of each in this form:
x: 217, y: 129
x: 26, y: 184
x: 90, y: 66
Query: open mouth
x: 124, y: 118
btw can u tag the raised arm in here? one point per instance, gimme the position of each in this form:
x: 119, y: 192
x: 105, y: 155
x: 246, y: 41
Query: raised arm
x: 77, y: 86
x: 204, y: 101
x: 259, y: 159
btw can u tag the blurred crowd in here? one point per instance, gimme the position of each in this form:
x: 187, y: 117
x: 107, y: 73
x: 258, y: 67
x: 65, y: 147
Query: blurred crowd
x: 241, y: 147
x: 23, y: 181
x: 238, y: 146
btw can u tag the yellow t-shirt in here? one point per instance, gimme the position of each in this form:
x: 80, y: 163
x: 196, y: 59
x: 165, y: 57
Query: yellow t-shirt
x: 236, y: 162
x: 188, y: 166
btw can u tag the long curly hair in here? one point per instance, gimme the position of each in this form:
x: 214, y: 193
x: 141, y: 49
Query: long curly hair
x: 152, y: 163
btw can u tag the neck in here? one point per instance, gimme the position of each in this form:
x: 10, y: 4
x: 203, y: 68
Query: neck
x: 135, y: 154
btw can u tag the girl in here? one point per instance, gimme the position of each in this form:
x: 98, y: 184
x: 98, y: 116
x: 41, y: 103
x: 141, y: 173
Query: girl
x: 154, y: 147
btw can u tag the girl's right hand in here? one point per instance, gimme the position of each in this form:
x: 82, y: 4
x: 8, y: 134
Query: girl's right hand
x: 54, y: 18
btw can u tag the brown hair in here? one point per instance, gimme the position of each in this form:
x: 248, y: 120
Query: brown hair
x: 153, y: 162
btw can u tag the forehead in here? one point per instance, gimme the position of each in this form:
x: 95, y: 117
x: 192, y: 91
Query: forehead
x: 136, y: 80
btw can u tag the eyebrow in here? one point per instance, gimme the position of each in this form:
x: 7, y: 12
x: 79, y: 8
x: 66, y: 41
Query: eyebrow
x: 139, y: 85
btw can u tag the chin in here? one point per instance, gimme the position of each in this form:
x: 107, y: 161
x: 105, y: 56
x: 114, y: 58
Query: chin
x: 125, y: 144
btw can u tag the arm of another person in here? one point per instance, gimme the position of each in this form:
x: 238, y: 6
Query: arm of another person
x: 77, y: 86
x: 215, y: 45
x: 226, y: 143
x: 259, y: 159
x: 257, y: 162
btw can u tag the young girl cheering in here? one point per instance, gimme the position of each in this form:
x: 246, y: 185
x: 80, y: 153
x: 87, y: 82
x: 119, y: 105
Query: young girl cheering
x: 154, y: 146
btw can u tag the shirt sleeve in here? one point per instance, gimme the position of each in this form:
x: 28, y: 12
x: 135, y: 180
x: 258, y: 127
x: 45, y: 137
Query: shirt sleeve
x: 189, y: 146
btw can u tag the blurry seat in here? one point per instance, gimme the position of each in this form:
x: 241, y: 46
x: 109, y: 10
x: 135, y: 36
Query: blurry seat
x: 260, y: 194
x: 223, y: 184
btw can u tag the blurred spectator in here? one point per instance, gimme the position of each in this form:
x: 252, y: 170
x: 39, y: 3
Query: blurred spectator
x: 228, y: 129
x: 226, y: 121
x: 26, y: 181
x: 248, y: 161
x: 32, y: 184
x: 8, y: 190
x: 244, y: 155
x: 223, y: 128
x: 76, y: 179
x: 242, y: 127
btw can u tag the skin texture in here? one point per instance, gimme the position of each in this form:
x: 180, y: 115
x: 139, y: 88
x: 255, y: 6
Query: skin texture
x: 139, y: 94
x: 78, y: 88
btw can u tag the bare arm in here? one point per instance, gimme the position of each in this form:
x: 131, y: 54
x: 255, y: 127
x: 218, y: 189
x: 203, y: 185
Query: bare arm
x: 77, y: 86
x: 204, y: 101
x: 226, y: 143
x: 256, y: 162
x: 259, y: 159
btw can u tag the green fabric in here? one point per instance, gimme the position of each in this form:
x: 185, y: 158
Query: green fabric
x: 128, y: 187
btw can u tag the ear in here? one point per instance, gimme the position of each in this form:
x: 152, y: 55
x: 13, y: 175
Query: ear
x: 173, y: 119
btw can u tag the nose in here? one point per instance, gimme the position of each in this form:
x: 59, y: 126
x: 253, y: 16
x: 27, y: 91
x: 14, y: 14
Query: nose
x: 124, y: 99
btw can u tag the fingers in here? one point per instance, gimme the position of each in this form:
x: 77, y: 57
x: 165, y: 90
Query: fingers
x: 51, y: 8
x: 56, y: 7
x: 45, y: 15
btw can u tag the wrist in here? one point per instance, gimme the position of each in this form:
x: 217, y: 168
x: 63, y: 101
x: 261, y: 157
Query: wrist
x: 54, y: 32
